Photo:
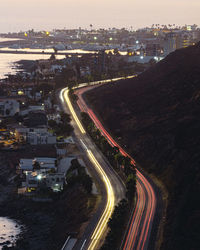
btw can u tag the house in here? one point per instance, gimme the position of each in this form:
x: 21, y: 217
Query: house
x: 21, y: 91
x: 55, y: 181
x: 35, y: 119
x: 21, y: 132
x: 26, y: 164
x: 32, y: 108
x: 8, y: 107
x: 35, y: 138
x: 31, y: 182
x: 34, y: 135
x: 45, y: 163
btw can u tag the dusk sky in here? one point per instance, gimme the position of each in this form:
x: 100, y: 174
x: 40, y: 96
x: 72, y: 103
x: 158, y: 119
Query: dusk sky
x: 16, y: 15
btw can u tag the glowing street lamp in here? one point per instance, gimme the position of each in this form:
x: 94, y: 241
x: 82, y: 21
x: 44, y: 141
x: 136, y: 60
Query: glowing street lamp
x: 39, y: 177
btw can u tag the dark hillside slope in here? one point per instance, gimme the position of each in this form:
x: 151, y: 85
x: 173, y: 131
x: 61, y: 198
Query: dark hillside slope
x: 157, y: 116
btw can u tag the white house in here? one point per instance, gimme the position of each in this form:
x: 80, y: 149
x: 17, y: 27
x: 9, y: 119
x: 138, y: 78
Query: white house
x: 22, y: 131
x: 35, y: 138
x: 55, y: 181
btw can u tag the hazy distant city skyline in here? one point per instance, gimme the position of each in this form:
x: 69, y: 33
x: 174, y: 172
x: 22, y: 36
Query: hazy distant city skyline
x: 48, y: 14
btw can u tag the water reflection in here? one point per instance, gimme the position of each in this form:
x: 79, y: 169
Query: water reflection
x: 7, y: 62
x: 9, y: 230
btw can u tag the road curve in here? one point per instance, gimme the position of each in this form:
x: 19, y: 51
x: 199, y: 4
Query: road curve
x: 140, y: 226
x: 114, y: 189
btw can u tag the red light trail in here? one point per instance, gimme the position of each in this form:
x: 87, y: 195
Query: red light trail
x: 139, y: 230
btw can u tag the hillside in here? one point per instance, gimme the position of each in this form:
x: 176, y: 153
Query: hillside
x: 157, y: 116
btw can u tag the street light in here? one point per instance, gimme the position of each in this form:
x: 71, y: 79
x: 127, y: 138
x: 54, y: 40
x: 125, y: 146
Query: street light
x: 39, y: 177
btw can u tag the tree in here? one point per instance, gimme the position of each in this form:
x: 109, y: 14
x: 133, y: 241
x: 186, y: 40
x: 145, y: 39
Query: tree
x: 85, y: 118
x: 75, y: 164
x: 63, y: 129
x: 86, y: 181
x: 115, y: 150
x: 72, y: 95
x: 105, y: 146
x: 119, y: 158
x: 116, y: 225
x: 116, y: 52
x: 36, y: 165
x: 127, y: 165
x: 131, y: 187
x: 55, y: 50
x: 65, y: 118
x: 52, y: 123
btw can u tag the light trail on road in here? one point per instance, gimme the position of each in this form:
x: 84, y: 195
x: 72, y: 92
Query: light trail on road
x: 102, y: 223
x: 109, y: 206
x: 140, y: 226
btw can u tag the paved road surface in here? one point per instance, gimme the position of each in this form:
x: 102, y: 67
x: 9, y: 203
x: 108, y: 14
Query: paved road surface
x: 139, y: 230
x: 112, y: 188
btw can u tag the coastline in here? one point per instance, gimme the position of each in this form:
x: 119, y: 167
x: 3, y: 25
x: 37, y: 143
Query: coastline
x: 43, y: 225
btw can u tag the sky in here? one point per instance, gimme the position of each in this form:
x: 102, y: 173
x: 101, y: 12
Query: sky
x: 16, y: 15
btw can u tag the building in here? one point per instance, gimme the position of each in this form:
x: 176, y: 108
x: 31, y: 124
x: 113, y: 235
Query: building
x: 32, y: 108
x: 35, y: 138
x: 8, y: 107
x: 55, y: 181
x: 21, y: 132
x: 184, y: 40
x: 37, y: 179
x: 31, y: 183
x: 142, y: 59
x: 26, y: 164
x: 45, y: 164
x: 36, y: 119
x: 170, y: 43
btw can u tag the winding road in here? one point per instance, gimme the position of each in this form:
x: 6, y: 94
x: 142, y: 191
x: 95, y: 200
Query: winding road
x: 139, y: 230
x: 112, y: 188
